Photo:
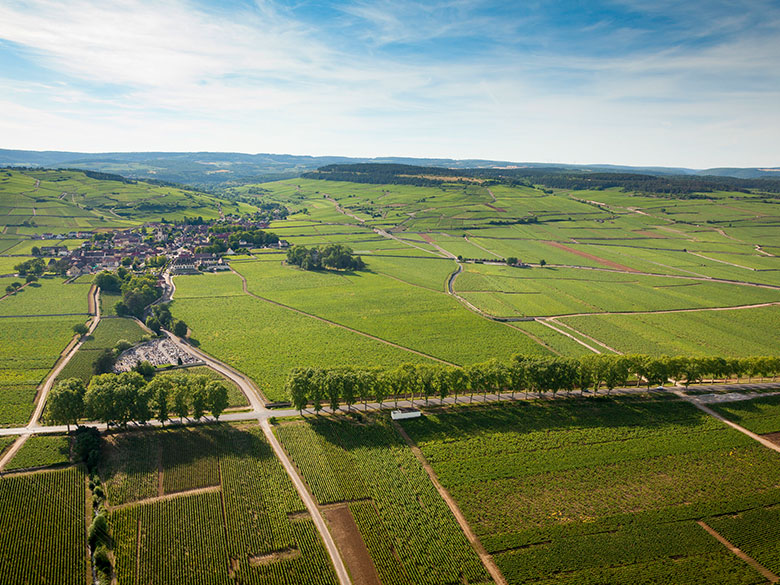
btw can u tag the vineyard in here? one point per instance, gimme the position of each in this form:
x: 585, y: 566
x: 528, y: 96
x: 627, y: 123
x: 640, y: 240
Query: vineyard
x: 409, y: 531
x: 760, y: 415
x: 41, y: 451
x: 42, y: 528
x: 248, y: 525
x: 603, y: 490
x: 26, y: 358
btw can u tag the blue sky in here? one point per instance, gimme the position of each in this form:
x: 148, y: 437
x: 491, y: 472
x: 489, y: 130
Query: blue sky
x: 693, y: 84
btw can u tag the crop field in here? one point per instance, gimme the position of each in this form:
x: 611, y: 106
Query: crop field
x: 250, y: 527
x: 737, y: 333
x: 253, y: 344
x: 69, y: 199
x: 760, y: 415
x: 106, y: 335
x: 48, y: 296
x: 42, y: 528
x: 603, y: 490
x: 410, y: 533
x: 26, y: 358
x: 41, y: 451
x: 423, y: 320
x: 559, y: 291
x: 756, y: 532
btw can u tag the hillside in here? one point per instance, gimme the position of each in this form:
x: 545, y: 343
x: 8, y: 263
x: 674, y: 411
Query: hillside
x: 210, y: 169
x: 40, y: 201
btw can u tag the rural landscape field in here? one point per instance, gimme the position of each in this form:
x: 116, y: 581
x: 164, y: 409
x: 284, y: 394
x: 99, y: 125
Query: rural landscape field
x: 360, y: 292
x: 594, y: 367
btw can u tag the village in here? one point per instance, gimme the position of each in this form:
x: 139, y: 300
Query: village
x: 187, y: 247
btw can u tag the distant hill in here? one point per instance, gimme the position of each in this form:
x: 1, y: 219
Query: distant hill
x: 677, y: 185
x: 212, y: 169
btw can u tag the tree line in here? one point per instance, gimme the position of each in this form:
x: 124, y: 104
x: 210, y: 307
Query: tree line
x: 328, y: 256
x: 318, y: 386
x: 684, y: 186
x: 117, y: 399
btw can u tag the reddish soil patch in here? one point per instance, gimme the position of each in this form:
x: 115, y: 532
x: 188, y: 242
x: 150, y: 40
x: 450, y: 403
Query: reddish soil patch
x: 493, y: 207
x: 279, y: 555
x: 347, y: 536
x: 602, y: 261
x: 774, y: 437
x: 426, y: 237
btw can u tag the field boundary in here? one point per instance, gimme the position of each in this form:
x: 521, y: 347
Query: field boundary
x: 770, y: 576
x: 484, y: 556
x: 334, y: 323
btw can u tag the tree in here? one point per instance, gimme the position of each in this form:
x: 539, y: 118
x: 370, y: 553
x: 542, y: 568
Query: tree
x: 180, y: 329
x: 181, y: 397
x: 80, y: 329
x: 66, y: 402
x: 108, y: 281
x: 217, y: 397
x: 154, y: 324
x: 317, y: 389
x: 160, y: 389
x: 100, y: 398
x: 104, y: 363
x: 30, y: 278
x: 298, y: 387
x: 511, y: 260
x: 199, y: 397
x: 542, y: 262
x: 349, y: 387
x: 333, y: 386
x: 35, y: 251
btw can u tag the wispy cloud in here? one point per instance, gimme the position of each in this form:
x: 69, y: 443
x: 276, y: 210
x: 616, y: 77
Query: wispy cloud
x: 623, y: 81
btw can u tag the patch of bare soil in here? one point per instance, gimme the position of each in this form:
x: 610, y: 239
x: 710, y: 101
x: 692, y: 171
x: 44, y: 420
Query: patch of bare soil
x: 277, y: 555
x: 347, y: 536
x: 494, y: 208
x: 602, y: 261
x: 774, y: 437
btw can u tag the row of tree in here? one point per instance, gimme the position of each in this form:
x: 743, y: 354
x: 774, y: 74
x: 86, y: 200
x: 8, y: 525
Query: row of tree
x: 329, y: 256
x: 117, y: 399
x: 312, y: 386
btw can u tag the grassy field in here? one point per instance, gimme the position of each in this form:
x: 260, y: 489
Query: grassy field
x: 410, y: 533
x: 602, y: 490
x: 249, y: 527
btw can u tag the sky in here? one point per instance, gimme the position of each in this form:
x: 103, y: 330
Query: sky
x: 689, y: 84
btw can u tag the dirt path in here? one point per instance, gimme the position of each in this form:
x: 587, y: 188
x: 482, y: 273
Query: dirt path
x: 769, y: 575
x: 765, y: 442
x: 546, y: 323
x: 760, y: 250
x: 329, y: 322
x: 12, y: 450
x: 174, y: 495
x: 601, y: 261
x: 43, y: 393
x: 308, y: 500
x: 466, y: 237
x: 343, y: 211
x: 721, y: 261
x: 662, y: 311
x: 351, y: 544
x: 441, y: 250
x: 486, y: 559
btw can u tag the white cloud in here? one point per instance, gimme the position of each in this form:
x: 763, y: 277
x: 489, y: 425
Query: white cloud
x: 142, y: 75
